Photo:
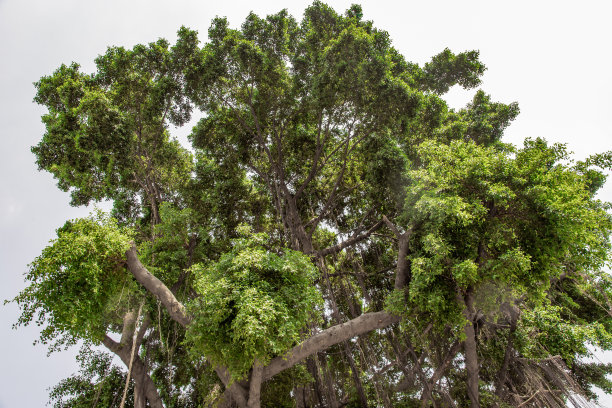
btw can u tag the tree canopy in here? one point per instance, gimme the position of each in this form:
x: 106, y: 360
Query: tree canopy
x: 335, y: 235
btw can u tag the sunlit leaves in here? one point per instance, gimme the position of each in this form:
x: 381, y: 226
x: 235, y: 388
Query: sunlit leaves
x: 254, y: 304
x: 76, y: 284
x: 515, y: 219
x: 544, y: 332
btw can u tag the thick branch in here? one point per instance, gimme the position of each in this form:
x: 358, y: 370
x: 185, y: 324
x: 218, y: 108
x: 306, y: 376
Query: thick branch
x: 403, y: 239
x: 255, y: 386
x: 157, y: 288
x: 327, y: 338
x: 175, y: 309
x: 402, y: 276
x: 470, y: 349
x: 237, y: 392
x: 138, y: 369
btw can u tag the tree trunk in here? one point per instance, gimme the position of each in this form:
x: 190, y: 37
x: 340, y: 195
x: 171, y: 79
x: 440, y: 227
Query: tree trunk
x: 330, y: 390
x: 140, y: 401
x: 138, y: 370
x: 312, y: 367
x: 513, y: 315
x: 299, y: 393
x: 402, y: 275
x: 255, y: 386
x: 470, y: 351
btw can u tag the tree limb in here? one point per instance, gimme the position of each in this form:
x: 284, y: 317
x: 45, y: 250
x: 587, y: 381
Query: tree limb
x: 138, y: 369
x: 156, y: 287
x: 351, y: 241
x: 327, y: 338
x: 255, y: 386
x: 234, y: 389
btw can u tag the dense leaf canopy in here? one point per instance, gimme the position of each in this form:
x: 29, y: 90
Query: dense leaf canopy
x: 335, y: 235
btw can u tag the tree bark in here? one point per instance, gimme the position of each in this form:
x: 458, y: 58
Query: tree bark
x: 299, y: 393
x: 140, y: 401
x: 402, y: 276
x: 470, y: 351
x: 356, y: 378
x: 238, y: 393
x: 513, y: 314
x: 312, y: 367
x: 403, y: 268
x: 156, y: 287
x: 327, y: 338
x: 255, y: 386
x: 138, y: 370
x: 330, y: 391
x: 320, y: 341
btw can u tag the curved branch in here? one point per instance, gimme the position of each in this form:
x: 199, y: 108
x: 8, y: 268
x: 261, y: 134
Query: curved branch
x: 327, y: 338
x: 233, y: 388
x: 156, y: 287
x: 139, y: 370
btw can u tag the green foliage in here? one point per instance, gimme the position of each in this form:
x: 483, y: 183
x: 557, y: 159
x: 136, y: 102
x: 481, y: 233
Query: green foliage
x: 77, y: 283
x: 447, y: 69
x: 253, y: 304
x: 174, y: 248
x: 106, y: 132
x: 510, y: 219
x: 594, y: 374
x: 98, y: 383
x: 313, y: 133
x: 544, y: 332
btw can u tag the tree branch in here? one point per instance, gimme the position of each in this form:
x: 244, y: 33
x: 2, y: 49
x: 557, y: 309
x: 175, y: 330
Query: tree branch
x: 237, y: 392
x: 351, y: 241
x: 138, y: 369
x: 315, y: 161
x: 255, y: 385
x: 327, y: 338
x: 156, y: 287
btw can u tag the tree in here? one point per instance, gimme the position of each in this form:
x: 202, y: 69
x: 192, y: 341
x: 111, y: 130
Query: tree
x: 337, y: 236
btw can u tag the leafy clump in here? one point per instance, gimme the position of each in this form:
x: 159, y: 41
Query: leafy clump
x: 75, y: 279
x: 254, y: 304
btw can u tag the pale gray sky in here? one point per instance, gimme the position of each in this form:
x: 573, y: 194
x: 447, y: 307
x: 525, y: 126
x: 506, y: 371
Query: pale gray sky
x: 552, y: 57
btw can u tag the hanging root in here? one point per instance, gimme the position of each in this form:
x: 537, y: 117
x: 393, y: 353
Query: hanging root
x: 134, y: 345
x: 544, y: 383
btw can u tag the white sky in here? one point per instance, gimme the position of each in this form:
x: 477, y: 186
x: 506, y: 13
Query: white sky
x: 552, y: 57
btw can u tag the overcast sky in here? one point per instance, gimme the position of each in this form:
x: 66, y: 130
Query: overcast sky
x: 552, y: 57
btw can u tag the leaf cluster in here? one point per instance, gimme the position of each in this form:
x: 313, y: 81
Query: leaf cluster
x: 253, y: 304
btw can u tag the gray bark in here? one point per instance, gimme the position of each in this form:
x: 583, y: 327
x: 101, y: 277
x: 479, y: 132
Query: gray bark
x: 138, y: 370
x: 327, y: 338
x: 320, y: 341
x: 470, y: 351
x: 255, y: 386
x: 156, y: 287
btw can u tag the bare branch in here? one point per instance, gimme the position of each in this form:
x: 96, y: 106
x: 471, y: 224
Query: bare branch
x: 349, y: 242
x: 391, y: 226
x: 327, y: 338
x: 156, y: 288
